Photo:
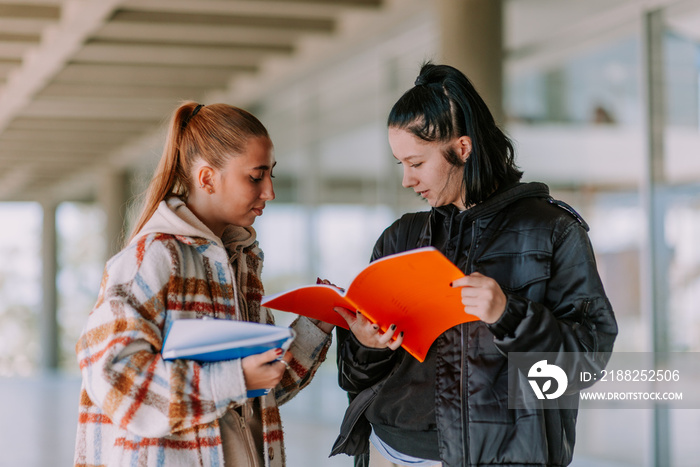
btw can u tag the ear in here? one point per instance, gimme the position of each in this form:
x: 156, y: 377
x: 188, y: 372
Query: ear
x: 205, y: 178
x: 464, y: 147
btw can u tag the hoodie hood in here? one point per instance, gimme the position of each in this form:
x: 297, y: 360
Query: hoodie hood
x: 496, y: 202
x: 501, y: 198
x: 173, y: 217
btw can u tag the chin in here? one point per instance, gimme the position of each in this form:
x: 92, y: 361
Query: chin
x: 243, y: 222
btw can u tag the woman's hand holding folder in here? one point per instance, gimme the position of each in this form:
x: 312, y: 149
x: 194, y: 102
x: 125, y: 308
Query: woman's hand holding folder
x: 265, y: 370
x: 367, y: 332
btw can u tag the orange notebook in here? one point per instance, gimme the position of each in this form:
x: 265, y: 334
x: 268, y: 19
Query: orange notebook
x: 409, y: 289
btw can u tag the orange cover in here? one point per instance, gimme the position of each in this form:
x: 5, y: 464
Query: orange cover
x: 409, y: 289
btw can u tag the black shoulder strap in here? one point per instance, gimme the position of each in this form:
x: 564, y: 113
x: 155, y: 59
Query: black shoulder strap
x: 411, y: 227
x: 570, y: 210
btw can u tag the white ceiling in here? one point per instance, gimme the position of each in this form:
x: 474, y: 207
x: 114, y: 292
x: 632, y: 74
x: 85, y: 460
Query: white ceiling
x: 85, y: 84
x: 80, y: 79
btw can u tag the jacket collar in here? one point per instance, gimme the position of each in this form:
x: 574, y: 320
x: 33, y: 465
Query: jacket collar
x: 492, y: 205
x: 495, y: 203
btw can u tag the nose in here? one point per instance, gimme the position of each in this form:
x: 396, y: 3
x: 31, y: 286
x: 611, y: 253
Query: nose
x: 268, y: 192
x: 408, y: 179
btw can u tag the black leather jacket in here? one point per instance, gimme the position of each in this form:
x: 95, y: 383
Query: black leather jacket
x: 538, y: 250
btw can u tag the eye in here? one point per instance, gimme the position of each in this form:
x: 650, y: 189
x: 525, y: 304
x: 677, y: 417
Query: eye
x: 255, y: 180
x: 413, y: 166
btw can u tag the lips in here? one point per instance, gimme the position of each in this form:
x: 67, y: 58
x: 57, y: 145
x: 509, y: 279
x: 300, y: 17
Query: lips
x: 258, y: 211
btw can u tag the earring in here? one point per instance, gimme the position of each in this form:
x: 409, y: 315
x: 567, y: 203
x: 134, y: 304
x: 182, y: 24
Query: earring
x: 211, y: 190
x: 201, y: 186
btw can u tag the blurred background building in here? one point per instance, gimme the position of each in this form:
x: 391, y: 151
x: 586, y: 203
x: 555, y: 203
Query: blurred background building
x: 602, y: 98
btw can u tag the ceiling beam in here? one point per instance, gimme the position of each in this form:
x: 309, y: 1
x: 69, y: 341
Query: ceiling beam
x: 292, y: 9
x: 12, y: 181
x: 43, y: 147
x: 6, y: 36
x: 7, y: 65
x: 62, y: 136
x: 24, y: 157
x: 150, y: 75
x: 75, y: 124
x: 355, y: 30
x: 31, y: 10
x: 162, y: 55
x: 14, y: 50
x: 24, y: 26
x: 79, y: 19
x: 197, y: 34
x: 274, y: 20
x: 125, y: 92
x: 100, y: 108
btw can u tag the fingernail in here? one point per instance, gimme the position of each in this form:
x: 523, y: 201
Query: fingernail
x: 393, y: 326
x: 279, y: 351
x: 318, y: 280
x: 401, y: 334
x: 450, y: 284
x: 358, y: 312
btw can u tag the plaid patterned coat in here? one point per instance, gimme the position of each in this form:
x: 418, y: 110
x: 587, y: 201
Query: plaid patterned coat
x: 137, y: 409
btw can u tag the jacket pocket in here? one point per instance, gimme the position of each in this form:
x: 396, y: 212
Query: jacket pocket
x: 516, y: 271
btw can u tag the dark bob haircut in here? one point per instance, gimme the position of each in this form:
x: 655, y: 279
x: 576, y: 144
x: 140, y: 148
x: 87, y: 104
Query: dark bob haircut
x: 444, y: 105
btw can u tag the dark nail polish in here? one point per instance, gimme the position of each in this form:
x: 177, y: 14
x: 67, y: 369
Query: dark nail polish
x: 393, y: 326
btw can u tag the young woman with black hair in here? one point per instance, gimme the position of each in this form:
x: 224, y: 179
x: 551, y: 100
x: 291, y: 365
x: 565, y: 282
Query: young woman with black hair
x: 531, y: 278
x: 192, y: 254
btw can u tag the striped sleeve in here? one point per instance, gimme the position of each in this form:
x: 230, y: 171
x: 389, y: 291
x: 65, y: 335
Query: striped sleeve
x: 308, y: 351
x: 119, y: 350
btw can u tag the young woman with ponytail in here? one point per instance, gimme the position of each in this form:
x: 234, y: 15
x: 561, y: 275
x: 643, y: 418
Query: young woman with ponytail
x: 192, y: 254
x: 531, y: 279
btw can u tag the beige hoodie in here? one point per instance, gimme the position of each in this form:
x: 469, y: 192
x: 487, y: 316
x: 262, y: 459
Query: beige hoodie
x: 173, y: 217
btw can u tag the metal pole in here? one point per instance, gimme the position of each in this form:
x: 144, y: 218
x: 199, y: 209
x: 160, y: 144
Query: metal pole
x: 309, y: 181
x: 656, y: 269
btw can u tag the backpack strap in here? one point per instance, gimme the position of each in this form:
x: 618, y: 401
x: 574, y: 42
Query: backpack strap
x: 570, y: 210
x: 412, y: 230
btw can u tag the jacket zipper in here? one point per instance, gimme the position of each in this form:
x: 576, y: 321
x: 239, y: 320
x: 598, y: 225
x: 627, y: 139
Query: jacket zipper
x: 250, y: 445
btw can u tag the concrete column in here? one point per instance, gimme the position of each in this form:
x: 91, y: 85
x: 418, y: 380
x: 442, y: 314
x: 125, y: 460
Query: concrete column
x: 471, y: 40
x: 48, y: 323
x: 112, y: 198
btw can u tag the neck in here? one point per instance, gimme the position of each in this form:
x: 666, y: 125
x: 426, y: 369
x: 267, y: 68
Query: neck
x: 200, y: 207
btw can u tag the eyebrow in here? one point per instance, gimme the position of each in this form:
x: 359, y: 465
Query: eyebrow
x: 264, y: 167
x: 408, y: 158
